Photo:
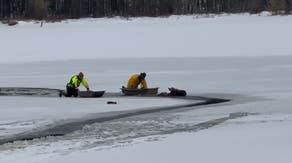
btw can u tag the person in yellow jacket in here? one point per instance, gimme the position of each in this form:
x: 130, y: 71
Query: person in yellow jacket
x: 136, y: 80
x: 74, y: 83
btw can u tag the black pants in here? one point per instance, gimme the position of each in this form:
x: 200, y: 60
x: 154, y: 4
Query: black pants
x: 71, y: 92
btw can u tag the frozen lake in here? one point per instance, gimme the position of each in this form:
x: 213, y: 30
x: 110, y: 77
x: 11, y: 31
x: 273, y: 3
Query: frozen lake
x: 187, y: 52
x: 259, y: 86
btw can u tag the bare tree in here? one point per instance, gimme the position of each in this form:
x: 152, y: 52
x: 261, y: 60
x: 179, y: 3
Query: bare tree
x: 41, y: 9
x: 276, y: 6
x: 288, y: 6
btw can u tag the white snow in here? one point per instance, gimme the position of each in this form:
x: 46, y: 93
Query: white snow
x: 176, y: 36
x: 246, y: 58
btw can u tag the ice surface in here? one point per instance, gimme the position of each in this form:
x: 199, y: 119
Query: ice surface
x: 177, y: 36
x: 19, y: 114
x: 257, y: 78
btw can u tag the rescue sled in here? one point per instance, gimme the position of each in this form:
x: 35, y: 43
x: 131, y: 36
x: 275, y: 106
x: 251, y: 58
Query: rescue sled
x: 143, y: 92
x: 90, y: 94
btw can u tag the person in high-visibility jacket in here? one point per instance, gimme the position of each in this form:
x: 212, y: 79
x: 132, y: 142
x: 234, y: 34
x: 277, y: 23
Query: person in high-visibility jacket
x: 136, y: 80
x: 74, y: 83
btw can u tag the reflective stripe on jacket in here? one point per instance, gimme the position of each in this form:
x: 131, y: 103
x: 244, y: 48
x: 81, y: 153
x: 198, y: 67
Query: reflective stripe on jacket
x: 134, y: 82
x: 75, y: 82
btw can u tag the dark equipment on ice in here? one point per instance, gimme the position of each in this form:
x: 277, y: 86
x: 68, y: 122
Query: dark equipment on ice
x: 111, y: 102
x: 174, y: 92
x: 177, y: 92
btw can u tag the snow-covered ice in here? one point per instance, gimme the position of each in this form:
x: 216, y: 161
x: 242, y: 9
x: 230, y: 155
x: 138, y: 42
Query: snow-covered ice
x: 238, y: 57
x: 19, y: 114
x: 177, y: 36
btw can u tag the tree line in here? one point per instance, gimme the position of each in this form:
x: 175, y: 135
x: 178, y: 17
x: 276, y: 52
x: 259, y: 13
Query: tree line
x: 59, y: 9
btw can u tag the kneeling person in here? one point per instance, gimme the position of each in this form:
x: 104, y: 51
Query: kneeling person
x: 136, y: 80
x: 74, y: 83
